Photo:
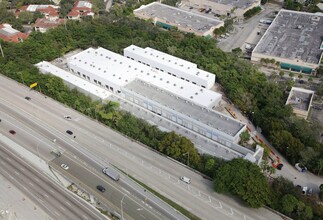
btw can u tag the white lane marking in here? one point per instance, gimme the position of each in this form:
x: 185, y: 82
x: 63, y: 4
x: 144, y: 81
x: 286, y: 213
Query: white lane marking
x: 22, y: 168
x: 46, y: 195
x: 30, y: 183
x: 8, y: 158
x: 85, y: 217
x: 17, y: 173
x: 61, y: 207
x: 67, y: 203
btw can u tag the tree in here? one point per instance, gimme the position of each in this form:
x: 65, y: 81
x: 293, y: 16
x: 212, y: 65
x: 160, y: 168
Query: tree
x: 244, y: 136
x: 319, y: 166
x: 289, y: 203
x: 26, y: 17
x: 244, y: 179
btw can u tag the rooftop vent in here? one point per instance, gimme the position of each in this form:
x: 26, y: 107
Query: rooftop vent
x: 174, y: 84
x: 196, y: 93
x: 191, y: 97
x: 182, y: 87
x: 167, y: 82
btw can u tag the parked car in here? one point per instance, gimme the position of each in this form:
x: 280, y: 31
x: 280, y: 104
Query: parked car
x: 300, y: 167
x: 28, y: 98
x: 309, y: 191
x: 12, y: 132
x: 304, y: 190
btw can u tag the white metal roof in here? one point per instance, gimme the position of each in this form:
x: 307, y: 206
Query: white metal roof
x: 33, y: 8
x: 169, y: 60
x: 121, y: 70
x: 106, y: 64
x: 46, y: 67
x: 181, y: 88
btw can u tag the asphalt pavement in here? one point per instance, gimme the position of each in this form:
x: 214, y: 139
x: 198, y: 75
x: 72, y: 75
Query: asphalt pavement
x: 42, y: 121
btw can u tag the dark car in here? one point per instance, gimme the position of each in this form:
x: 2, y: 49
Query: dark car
x: 69, y: 132
x: 100, y: 188
x: 28, y: 98
x: 280, y: 166
x: 12, y: 132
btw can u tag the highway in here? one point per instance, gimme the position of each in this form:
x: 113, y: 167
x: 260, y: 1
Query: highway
x: 96, y: 145
x: 49, y: 195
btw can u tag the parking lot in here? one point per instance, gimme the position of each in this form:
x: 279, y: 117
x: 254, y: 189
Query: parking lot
x: 246, y: 32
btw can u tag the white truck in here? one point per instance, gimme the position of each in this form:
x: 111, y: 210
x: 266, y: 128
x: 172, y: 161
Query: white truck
x: 113, y: 174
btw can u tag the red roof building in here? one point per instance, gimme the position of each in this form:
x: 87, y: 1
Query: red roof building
x: 43, y: 24
x: 49, y: 11
x: 7, y: 33
x: 80, y: 9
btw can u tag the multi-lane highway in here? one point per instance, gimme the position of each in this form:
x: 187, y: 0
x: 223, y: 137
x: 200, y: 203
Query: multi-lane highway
x: 40, y: 120
x: 49, y: 195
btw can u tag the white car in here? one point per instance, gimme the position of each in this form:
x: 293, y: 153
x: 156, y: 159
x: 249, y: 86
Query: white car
x: 64, y: 166
x: 185, y: 179
x: 67, y: 117
x: 300, y: 167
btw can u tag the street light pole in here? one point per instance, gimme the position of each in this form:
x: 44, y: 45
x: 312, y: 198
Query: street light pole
x: 188, y: 158
x: 122, y: 206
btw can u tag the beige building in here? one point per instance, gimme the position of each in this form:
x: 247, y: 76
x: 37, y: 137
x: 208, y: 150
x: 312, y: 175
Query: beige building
x: 301, y: 100
x: 224, y: 7
x: 294, y: 39
x: 169, y: 17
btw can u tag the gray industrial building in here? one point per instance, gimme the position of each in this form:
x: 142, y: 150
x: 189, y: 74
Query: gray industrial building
x: 294, y: 39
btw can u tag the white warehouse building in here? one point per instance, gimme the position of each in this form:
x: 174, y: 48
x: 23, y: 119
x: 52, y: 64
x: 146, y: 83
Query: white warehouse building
x: 171, y: 65
x: 177, y: 100
x: 113, y: 71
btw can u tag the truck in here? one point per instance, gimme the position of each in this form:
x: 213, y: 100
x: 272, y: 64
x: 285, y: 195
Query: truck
x: 113, y: 174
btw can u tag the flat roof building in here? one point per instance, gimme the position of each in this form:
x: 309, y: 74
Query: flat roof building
x: 301, y: 100
x: 73, y: 81
x: 168, y: 17
x: 294, y: 39
x: 171, y: 65
x: 224, y: 7
x: 204, y: 121
x: 113, y: 71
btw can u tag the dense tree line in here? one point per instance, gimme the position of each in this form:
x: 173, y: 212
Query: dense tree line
x: 251, y: 12
x: 308, y: 6
x: 243, y: 84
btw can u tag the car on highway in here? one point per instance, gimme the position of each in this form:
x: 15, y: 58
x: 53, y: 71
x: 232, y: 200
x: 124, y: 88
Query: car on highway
x: 300, y: 167
x: 64, y: 166
x: 185, y: 179
x: 67, y: 117
x: 28, y: 98
x: 100, y: 188
x: 69, y: 132
x: 12, y: 132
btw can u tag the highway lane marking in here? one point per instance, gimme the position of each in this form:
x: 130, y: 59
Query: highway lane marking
x: 61, y: 207
x: 46, y: 195
x: 30, y: 183
x: 67, y: 203
x: 17, y: 173
x: 84, y: 216
x: 8, y: 158
x: 22, y: 168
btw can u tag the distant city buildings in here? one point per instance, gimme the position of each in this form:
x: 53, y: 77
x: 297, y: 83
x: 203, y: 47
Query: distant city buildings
x: 171, y: 17
x: 9, y: 34
x: 301, y: 100
x: 294, y: 40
